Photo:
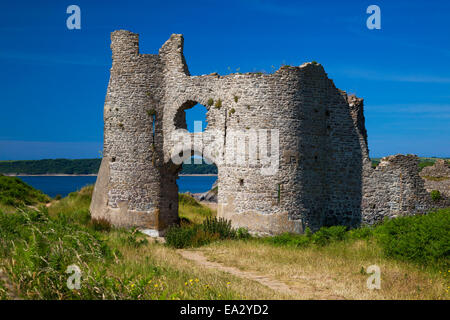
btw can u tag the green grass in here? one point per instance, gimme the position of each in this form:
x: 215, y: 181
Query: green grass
x: 191, y: 211
x: 422, y: 239
x: 16, y: 193
x: 37, y: 247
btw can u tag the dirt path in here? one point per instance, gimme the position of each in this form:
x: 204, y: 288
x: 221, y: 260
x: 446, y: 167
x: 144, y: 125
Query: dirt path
x: 299, y: 290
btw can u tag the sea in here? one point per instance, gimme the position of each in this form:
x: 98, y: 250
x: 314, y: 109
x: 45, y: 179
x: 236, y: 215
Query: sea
x: 63, y: 185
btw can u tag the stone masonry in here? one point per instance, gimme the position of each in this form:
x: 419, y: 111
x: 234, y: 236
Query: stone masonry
x: 324, y: 174
x: 437, y: 177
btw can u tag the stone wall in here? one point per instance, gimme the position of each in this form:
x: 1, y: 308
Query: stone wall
x: 437, y: 177
x: 323, y: 175
x: 394, y: 188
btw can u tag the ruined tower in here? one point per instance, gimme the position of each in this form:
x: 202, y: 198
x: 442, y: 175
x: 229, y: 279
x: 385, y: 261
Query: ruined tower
x: 322, y: 160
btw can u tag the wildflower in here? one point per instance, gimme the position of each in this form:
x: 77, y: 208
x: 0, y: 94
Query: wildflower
x: 185, y: 283
x: 228, y: 283
x: 196, y: 280
x: 156, y: 285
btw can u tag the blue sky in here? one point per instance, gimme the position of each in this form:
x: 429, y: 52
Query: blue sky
x: 53, y: 80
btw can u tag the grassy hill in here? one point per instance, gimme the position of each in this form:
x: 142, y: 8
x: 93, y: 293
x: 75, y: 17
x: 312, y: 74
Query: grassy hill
x: 15, y: 193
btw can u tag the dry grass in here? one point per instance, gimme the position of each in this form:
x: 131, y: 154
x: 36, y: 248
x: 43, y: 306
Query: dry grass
x: 335, y: 271
x: 182, y: 277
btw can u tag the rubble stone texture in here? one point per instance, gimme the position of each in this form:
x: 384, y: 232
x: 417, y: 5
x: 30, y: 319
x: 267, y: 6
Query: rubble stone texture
x: 324, y: 175
x: 437, y: 177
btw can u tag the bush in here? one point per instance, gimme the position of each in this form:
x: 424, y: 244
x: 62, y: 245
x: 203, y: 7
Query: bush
x: 326, y: 235
x: 210, y: 230
x: 242, y: 233
x: 182, y: 236
x: 423, y: 239
x: 435, y: 195
x: 221, y: 226
x: 364, y: 232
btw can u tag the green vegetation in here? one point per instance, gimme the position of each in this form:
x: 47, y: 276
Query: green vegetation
x: 37, y: 246
x: 236, y: 99
x: 191, y: 211
x: 218, y: 104
x: 210, y: 102
x: 435, y: 195
x: 232, y: 111
x: 421, y: 239
x: 202, y: 168
x: 196, y: 235
x: 16, y: 193
x: 51, y: 166
x: 80, y: 166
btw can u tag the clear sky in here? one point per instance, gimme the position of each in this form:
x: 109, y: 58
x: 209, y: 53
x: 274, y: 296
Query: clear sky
x: 53, y: 80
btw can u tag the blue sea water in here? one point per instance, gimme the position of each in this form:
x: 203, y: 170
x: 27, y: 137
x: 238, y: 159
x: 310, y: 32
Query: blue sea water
x: 63, y: 185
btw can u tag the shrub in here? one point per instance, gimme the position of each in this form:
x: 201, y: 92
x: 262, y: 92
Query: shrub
x: 435, y: 195
x: 210, y: 230
x: 360, y: 233
x: 326, y: 235
x: 236, y: 99
x: 221, y: 226
x: 242, y: 233
x: 218, y: 104
x: 180, y: 237
x: 423, y: 239
x: 210, y: 102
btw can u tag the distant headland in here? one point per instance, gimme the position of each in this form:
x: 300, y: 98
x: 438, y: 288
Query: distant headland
x: 79, y: 167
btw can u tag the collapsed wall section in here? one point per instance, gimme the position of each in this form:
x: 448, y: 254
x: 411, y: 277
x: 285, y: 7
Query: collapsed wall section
x: 394, y: 188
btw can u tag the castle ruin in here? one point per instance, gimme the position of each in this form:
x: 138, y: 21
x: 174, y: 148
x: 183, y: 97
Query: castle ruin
x: 324, y: 174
